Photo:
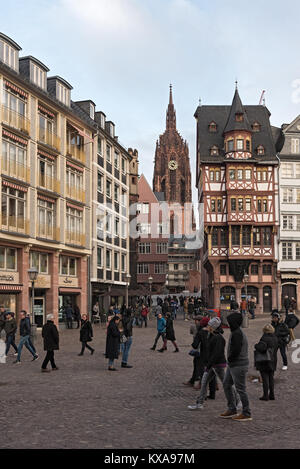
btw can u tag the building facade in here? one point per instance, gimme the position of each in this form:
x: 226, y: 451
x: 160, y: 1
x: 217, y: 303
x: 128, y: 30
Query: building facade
x: 289, y: 235
x: 46, y: 152
x: 237, y: 181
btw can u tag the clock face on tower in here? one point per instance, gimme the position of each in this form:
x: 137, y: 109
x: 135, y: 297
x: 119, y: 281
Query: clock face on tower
x: 173, y: 165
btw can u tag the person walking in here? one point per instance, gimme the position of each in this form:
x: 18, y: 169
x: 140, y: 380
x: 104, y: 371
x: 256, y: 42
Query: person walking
x: 10, y: 328
x: 293, y: 305
x: 144, y: 315
x: 268, y: 341
x: 127, y: 323
x: 161, y: 330
x: 252, y: 306
x: 236, y: 373
x: 292, y: 322
x: 190, y: 308
x: 283, y: 335
x: 170, y: 334
x: 86, y: 335
x: 77, y: 315
x: 194, y: 330
x: 112, y: 342
x: 286, y: 304
x: 51, y: 343
x: 69, y: 316
x: 2, y: 318
x: 24, y: 338
x: 31, y: 336
x: 215, y: 361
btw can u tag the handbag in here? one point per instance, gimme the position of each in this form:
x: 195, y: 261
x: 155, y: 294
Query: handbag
x: 264, y: 357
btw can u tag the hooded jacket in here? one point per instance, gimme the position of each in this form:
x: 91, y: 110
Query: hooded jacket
x: 237, y: 351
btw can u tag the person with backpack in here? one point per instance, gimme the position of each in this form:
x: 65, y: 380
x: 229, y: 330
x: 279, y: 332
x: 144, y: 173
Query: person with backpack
x: 283, y: 335
x: 170, y: 334
x: 161, y: 330
x: 267, y: 348
x: 291, y: 321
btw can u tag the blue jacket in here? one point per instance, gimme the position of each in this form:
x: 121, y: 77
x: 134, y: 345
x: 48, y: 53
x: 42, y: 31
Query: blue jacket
x: 161, y: 325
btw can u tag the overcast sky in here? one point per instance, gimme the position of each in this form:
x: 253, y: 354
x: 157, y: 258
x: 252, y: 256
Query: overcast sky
x: 123, y: 54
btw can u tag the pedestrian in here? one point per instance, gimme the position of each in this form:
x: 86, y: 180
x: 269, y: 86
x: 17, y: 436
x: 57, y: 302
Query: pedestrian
x: 236, y: 373
x: 24, y: 338
x: 243, y: 306
x: 10, y: 328
x: 31, y: 336
x: 77, y: 315
x: 196, y: 359
x: 215, y: 360
x: 86, y: 335
x: 252, y: 306
x: 268, y: 342
x: 293, y: 305
x: 233, y: 304
x: 170, y: 334
x: 190, y: 308
x: 185, y: 309
x: 2, y: 318
x: 112, y: 342
x: 144, y: 315
x: 126, y: 338
x: 161, y: 330
x: 51, y: 343
x: 165, y: 307
x: 292, y: 322
x: 286, y: 304
x: 283, y: 335
x: 69, y: 316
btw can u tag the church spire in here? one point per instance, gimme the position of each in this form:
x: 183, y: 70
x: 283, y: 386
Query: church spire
x: 171, y: 114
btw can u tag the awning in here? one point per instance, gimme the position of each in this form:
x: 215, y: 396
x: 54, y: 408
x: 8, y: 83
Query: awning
x: 14, y: 288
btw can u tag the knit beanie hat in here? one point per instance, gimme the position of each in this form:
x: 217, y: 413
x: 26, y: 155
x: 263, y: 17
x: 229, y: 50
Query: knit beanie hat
x: 204, y: 321
x: 214, y: 323
x: 268, y: 329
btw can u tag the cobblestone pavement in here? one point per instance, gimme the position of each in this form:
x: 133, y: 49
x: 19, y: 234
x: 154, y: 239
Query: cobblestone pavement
x: 84, y: 406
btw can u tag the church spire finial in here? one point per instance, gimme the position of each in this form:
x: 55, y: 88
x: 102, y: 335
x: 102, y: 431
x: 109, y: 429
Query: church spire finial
x: 236, y: 84
x: 171, y: 96
x: 171, y: 114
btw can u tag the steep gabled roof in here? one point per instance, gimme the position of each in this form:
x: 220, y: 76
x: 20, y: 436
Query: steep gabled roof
x: 237, y: 108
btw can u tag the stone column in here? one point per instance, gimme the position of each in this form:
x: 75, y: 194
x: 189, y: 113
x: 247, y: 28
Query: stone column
x: 52, y: 293
x: 23, y: 266
x: 238, y: 293
x: 260, y: 307
x: 82, y: 280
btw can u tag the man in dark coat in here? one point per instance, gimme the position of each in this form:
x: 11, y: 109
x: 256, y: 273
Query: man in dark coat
x: 283, y: 335
x: 69, y: 316
x: 10, y: 328
x: 51, y: 342
x: 170, y: 334
x: 267, y: 369
x: 112, y: 342
x: 77, y: 315
x: 286, y: 304
x: 2, y: 318
x: 127, y: 322
x: 86, y: 335
x: 25, y: 331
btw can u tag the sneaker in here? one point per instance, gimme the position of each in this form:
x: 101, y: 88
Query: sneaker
x: 17, y: 362
x: 228, y: 414
x: 195, y: 407
x: 35, y: 358
x: 242, y: 418
x: 284, y: 368
x: 124, y: 365
x: 15, y: 354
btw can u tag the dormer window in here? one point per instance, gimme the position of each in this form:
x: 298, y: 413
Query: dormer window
x: 63, y: 94
x: 239, y: 117
x: 9, y: 54
x: 214, y: 150
x: 212, y: 127
x: 256, y: 127
x: 260, y: 150
x: 92, y: 111
x: 38, y: 76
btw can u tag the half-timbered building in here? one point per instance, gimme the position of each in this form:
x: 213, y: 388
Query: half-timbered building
x: 237, y: 181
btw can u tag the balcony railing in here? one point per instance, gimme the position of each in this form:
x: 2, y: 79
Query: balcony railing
x: 14, y: 119
x: 16, y: 170
x: 75, y: 193
x: 15, y: 224
x: 76, y: 152
x: 49, y: 138
x: 72, y: 237
x: 49, y: 183
x: 48, y: 232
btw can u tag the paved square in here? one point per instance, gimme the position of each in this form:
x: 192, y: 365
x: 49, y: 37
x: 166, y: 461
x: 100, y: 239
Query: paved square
x: 84, y: 406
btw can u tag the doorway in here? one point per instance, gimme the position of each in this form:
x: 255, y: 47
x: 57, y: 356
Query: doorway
x: 267, y: 292
x: 290, y: 290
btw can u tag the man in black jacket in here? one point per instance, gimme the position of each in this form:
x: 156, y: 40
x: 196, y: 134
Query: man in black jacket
x: 283, y: 335
x: 10, y: 328
x: 127, y: 322
x: 51, y: 342
x: 216, y: 362
x: 24, y: 338
x: 236, y: 373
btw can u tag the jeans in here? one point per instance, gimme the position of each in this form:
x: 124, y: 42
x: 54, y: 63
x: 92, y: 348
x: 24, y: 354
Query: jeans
x: 31, y: 344
x: 49, y: 357
x: 10, y: 340
x: 24, y: 340
x: 282, y: 349
x: 268, y: 383
x: 125, y: 349
x: 159, y: 334
x: 236, y: 376
x: 251, y: 311
x: 143, y: 319
x: 206, y: 378
x: 111, y: 362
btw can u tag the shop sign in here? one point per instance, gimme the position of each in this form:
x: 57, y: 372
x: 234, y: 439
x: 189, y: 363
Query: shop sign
x: 68, y: 281
x: 9, y: 277
x: 43, y: 281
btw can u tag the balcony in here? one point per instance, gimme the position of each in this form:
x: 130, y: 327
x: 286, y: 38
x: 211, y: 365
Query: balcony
x: 16, y: 170
x: 76, y: 152
x: 73, y: 237
x: 75, y: 192
x: 16, y: 120
x: 48, y: 183
x: 48, y: 232
x: 15, y: 224
x: 49, y: 138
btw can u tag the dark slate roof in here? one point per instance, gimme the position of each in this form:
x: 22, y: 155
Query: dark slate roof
x: 237, y: 108
x: 278, y: 137
x: 292, y: 158
x: 220, y: 115
x: 160, y: 196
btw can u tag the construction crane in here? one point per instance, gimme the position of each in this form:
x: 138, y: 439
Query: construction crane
x: 262, y: 100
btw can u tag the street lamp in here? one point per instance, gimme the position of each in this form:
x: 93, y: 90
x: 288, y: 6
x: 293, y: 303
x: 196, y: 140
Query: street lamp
x: 32, y: 273
x: 127, y: 278
x: 150, y: 280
